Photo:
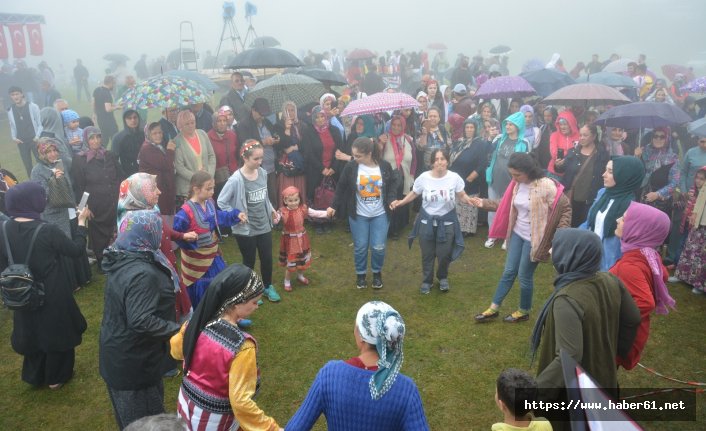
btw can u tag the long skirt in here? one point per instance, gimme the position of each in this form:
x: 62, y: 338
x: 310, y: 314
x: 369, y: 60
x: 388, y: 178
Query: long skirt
x: 197, y: 418
x: 467, y: 217
x: 692, y: 263
x: 48, y: 368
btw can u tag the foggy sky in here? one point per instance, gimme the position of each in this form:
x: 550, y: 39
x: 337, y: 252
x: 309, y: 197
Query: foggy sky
x: 666, y: 31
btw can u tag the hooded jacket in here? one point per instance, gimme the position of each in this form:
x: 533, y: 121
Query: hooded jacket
x: 566, y: 142
x: 127, y: 144
x: 521, y: 146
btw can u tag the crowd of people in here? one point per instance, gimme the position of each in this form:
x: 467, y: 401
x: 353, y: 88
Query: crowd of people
x: 613, y: 210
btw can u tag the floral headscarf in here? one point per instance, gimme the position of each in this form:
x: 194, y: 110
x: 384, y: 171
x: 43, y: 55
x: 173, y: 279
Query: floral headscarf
x: 99, y: 154
x: 135, y: 193
x: 43, y: 146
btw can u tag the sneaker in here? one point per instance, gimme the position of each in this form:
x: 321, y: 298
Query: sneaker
x: 444, y: 285
x: 516, y: 317
x: 425, y: 289
x: 171, y: 373
x: 360, y: 281
x: 377, y: 280
x: 272, y: 294
x: 244, y: 323
x: 486, y: 316
x: 489, y: 243
x: 504, y: 246
x: 673, y: 279
x: 697, y: 291
x: 260, y: 302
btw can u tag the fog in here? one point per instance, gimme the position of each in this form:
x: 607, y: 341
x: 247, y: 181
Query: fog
x: 666, y: 31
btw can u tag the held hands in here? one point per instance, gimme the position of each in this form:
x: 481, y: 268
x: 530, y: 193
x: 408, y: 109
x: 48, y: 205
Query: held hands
x: 476, y: 202
x: 330, y: 212
x: 190, y: 236
x: 276, y: 217
x: 243, y: 216
x: 652, y: 196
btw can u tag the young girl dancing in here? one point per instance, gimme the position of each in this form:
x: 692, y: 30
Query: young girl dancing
x: 294, y: 248
x: 201, y: 260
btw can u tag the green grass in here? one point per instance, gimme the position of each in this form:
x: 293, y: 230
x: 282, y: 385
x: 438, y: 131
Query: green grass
x: 453, y: 361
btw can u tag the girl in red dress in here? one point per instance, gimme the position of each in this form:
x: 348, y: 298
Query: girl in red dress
x: 294, y: 248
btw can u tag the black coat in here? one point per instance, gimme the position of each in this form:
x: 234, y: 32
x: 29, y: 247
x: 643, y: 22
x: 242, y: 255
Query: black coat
x: 572, y: 167
x: 312, y: 149
x: 138, y: 320
x: 347, y: 188
x: 57, y: 326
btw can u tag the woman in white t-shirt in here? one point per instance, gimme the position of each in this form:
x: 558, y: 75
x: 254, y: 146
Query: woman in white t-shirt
x: 437, y: 224
x: 363, y: 194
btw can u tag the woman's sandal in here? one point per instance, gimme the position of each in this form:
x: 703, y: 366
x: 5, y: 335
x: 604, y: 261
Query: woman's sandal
x: 287, y: 285
x: 303, y: 280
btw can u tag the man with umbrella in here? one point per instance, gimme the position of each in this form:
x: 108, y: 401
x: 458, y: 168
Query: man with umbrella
x: 103, y: 108
x: 235, y: 98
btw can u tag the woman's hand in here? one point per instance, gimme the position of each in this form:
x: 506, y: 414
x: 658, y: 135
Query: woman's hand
x: 394, y: 204
x: 276, y: 217
x: 171, y: 145
x: 559, y: 162
x: 191, y: 236
x: 383, y: 138
x: 84, y: 215
x: 423, y: 131
x: 340, y: 155
x: 638, y: 151
x: 58, y: 172
x: 476, y: 202
x: 291, y: 148
x: 652, y: 196
x: 243, y: 216
x: 330, y: 212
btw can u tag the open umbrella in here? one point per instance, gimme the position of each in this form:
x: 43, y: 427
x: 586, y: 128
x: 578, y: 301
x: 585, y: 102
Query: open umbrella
x: 199, y: 78
x: 380, y: 102
x: 278, y: 89
x: 533, y: 64
x: 163, y: 92
x: 618, y: 66
x: 360, y: 54
x: 587, y: 94
x: 640, y: 115
x: 505, y: 86
x: 263, y: 58
x: 608, y: 78
x: 264, y: 42
x: 325, y: 76
x: 697, y: 127
x: 670, y: 71
x: 116, y: 58
x: 500, y: 50
x: 547, y: 81
x: 698, y: 85
x: 438, y: 46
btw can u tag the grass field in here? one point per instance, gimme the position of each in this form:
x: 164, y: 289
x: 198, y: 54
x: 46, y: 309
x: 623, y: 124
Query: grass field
x: 453, y: 361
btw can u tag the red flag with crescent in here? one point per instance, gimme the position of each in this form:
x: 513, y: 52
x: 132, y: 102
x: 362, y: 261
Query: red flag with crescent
x: 36, y: 45
x: 3, y: 44
x: 17, y: 35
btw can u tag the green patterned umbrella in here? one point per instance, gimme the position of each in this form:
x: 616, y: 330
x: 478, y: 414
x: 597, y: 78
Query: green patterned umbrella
x: 163, y: 92
x: 300, y: 89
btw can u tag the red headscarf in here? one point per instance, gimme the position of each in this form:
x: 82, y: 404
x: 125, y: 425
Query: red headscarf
x: 398, y: 141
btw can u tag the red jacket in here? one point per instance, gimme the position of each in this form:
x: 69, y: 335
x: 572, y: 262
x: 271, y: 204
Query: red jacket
x: 154, y: 161
x: 226, y: 149
x: 635, y: 273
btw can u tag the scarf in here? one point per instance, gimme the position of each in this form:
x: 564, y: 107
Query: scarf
x: 236, y: 284
x: 135, y: 193
x: 315, y: 111
x: 295, y: 134
x: 27, y: 199
x: 529, y: 128
x: 398, y: 141
x: 465, y: 143
x: 90, y: 154
x: 141, y: 231
x: 159, y: 145
x: 628, y: 173
x: 382, y: 326
x: 43, y: 146
x: 645, y: 228
x: 576, y: 255
x: 615, y: 148
x: 52, y: 123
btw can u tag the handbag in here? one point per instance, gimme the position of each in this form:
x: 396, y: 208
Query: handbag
x: 60, y: 194
x: 292, y: 164
x: 324, y: 193
x: 658, y: 179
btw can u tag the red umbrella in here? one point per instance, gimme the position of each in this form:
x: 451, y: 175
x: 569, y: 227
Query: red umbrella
x: 437, y: 46
x: 360, y: 54
x: 670, y: 70
x: 380, y: 102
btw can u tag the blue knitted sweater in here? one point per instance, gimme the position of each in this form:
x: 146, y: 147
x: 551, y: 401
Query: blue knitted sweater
x: 341, y: 392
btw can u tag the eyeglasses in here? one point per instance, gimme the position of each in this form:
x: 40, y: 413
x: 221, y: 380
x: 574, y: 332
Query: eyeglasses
x: 659, y: 136
x: 702, y: 141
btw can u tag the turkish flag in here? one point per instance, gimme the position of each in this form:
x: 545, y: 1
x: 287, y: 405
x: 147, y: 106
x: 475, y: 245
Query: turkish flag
x: 17, y: 35
x: 36, y: 45
x: 3, y: 44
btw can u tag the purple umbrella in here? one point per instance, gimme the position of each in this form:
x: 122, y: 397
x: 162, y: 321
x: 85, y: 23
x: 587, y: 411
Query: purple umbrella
x: 640, y: 115
x: 698, y: 85
x: 504, y: 87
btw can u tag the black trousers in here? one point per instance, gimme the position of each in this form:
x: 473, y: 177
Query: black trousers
x: 262, y: 244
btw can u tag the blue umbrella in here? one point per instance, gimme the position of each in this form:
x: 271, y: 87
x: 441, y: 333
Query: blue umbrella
x: 697, y: 127
x: 608, y: 78
x: 547, y: 81
x: 640, y: 115
x: 199, y: 78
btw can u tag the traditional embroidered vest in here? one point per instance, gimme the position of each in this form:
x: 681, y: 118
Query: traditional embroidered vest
x: 195, y: 263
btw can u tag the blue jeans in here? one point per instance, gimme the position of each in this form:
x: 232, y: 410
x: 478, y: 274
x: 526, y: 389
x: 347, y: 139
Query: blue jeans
x: 369, y: 232
x: 517, y: 263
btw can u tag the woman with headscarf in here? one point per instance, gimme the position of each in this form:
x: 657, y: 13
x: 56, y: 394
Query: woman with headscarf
x: 138, y: 318
x: 7, y: 181
x: 614, y: 141
x: 662, y: 171
x: 562, y: 140
x: 590, y: 315
x: 97, y: 171
x: 221, y: 375
x: 52, y: 128
x: 433, y: 135
x: 398, y: 151
x: 194, y: 152
x: 641, y: 230
x: 550, y: 115
x: 291, y: 167
x: 319, y: 144
x: 532, y: 134
x: 366, y: 391
x: 48, y: 336
x: 502, y: 147
x: 621, y: 181
x: 126, y: 144
x: 329, y: 107
x: 158, y: 160
x: 225, y: 146
x: 469, y: 158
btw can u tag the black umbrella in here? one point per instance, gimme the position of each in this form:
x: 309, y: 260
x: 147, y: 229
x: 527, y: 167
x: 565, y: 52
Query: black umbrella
x: 262, y: 58
x: 547, y: 81
x: 264, y: 42
x: 639, y: 115
x: 325, y: 76
x: 500, y: 50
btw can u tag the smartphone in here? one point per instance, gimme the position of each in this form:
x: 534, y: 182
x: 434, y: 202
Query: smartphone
x: 84, y: 200
x: 560, y: 153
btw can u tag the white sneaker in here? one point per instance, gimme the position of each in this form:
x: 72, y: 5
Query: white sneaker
x: 504, y: 246
x: 697, y: 291
x: 489, y: 243
x: 673, y: 279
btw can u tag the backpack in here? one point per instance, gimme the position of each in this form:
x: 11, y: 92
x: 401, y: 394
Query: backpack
x: 18, y: 288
